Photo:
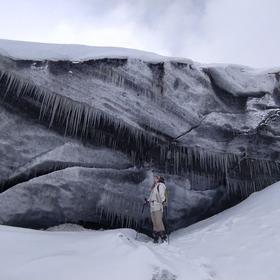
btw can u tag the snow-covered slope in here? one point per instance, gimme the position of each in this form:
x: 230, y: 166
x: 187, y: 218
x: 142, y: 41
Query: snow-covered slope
x: 241, y: 243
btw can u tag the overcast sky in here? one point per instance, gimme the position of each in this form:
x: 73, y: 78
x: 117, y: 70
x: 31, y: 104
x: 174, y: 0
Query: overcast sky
x: 228, y: 31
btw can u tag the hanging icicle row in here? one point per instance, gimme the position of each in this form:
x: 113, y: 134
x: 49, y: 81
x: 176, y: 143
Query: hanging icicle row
x: 77, y: 118
x: 118, y: 211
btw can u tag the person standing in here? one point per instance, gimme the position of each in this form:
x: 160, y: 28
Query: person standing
x: 157, y: 199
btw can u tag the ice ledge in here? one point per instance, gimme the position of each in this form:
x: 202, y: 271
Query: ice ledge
x: 24, y: 50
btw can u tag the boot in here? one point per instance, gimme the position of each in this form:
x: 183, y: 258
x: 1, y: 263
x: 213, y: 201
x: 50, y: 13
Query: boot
x: 163, y: 236
x: 155, y: 236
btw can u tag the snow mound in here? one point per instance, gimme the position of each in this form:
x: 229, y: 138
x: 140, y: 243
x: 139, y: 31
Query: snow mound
x: 241, y: 243
x: 67, y: 227
x: 242, y: 81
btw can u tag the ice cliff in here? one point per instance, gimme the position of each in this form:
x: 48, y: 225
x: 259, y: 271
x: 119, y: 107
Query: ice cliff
x: 83, y: 129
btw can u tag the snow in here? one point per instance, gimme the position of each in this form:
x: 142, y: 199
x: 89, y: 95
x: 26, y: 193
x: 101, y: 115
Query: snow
x: 74, y: 52
x: 43, y: 51
x: 67, y: 227
x: 241, y: 243
x: 242, y: 81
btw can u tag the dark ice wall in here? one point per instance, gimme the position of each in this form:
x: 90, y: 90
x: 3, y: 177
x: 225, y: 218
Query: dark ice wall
x: 80, y: 142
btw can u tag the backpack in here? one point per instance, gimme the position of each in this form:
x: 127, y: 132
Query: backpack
x: 165, y: 202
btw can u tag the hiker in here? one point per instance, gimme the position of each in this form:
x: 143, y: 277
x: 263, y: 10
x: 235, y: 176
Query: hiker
x: 157, y: 200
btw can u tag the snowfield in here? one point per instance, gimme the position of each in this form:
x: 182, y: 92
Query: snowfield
x: 241, y: 243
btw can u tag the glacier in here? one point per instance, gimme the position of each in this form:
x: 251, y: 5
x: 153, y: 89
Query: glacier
x: 84, y: 129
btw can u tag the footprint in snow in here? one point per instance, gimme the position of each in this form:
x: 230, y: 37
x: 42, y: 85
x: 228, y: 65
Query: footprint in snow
x: 163, y: 274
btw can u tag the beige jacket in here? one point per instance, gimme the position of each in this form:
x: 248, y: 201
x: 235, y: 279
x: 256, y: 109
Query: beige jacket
x: 157, y: 197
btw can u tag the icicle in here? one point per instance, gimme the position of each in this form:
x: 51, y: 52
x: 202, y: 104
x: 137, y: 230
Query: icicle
x: 54, y: 109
